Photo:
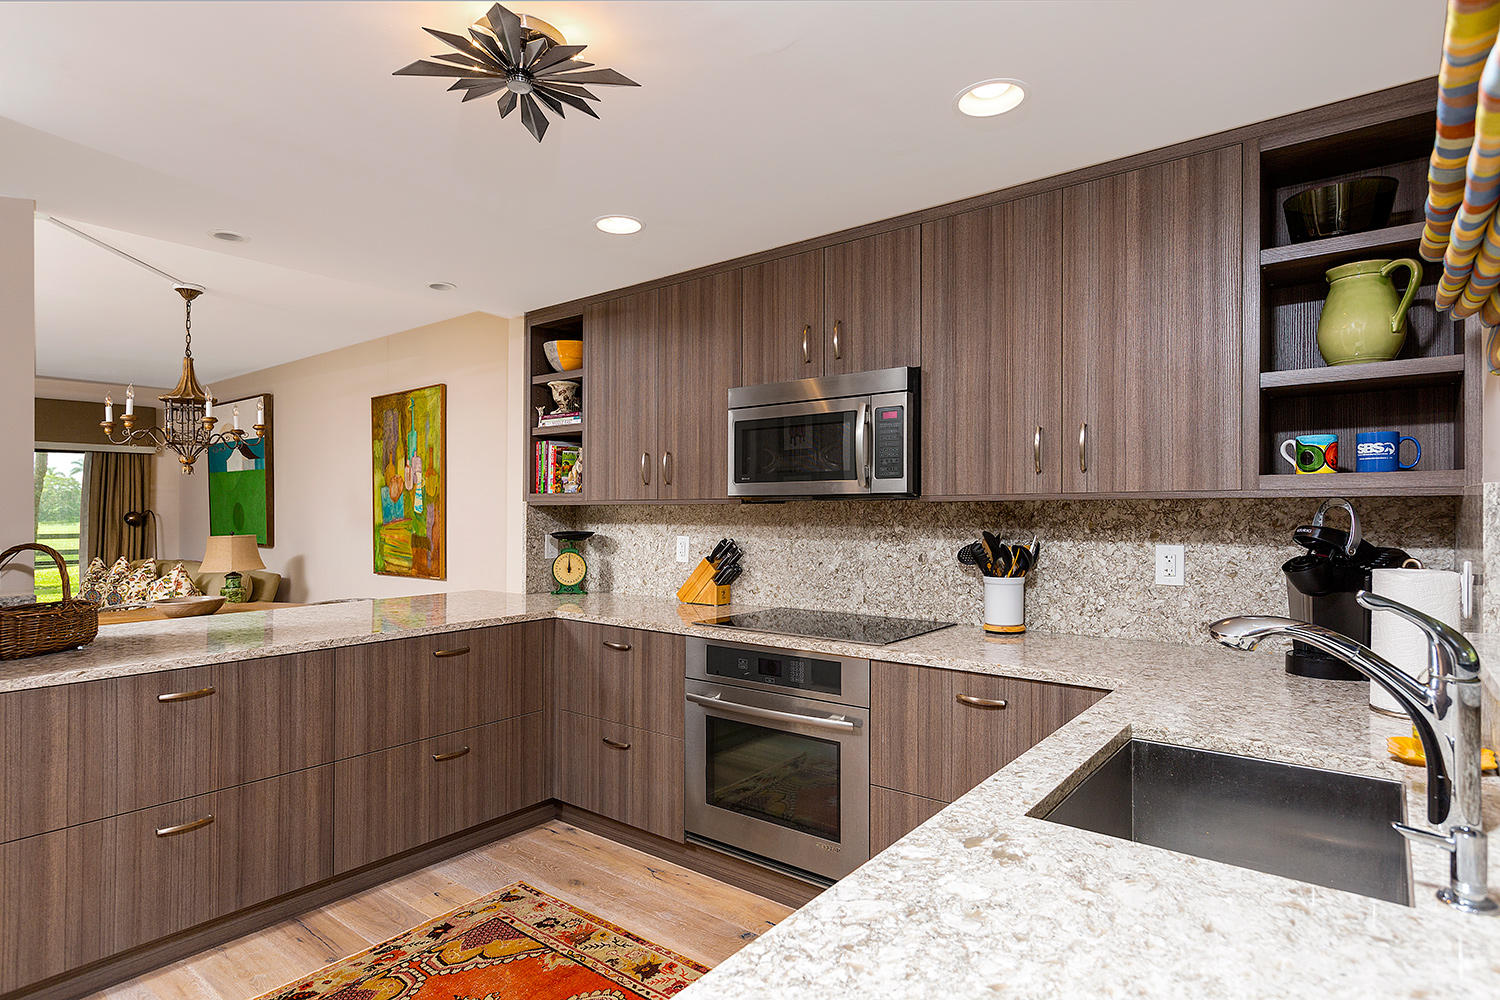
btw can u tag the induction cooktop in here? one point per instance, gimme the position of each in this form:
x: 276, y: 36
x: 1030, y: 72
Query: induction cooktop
x: 868, y: 630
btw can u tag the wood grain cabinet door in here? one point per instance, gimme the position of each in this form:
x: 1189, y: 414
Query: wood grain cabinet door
x: 273, y: 837
x: 484, y: 773
x: 575, y: 667
x: 380, y: 804
x: 57, y: 757
x: 275, y: 715
x: 992, y: 351
x: 894, y: 814
x: 621, y: 398
x: 628, y: 775
x: 1151, y: 328
x: 699, y: 364
x: 911, y: 724
x: 871, y: 303
x: 56, y: 903
x: 781, y: 310
x: 382, y: 695
x: 996, y: 719
x: 166, y: 869
x: 639, y: 674
x: 164, y: 728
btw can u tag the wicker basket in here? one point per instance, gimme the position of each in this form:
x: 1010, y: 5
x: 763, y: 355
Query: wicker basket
x: 34, y: 629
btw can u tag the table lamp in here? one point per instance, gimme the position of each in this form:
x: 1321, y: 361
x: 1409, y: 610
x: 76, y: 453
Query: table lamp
x: 231, y: 555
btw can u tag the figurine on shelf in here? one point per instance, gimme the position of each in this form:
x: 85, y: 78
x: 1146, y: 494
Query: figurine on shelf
x: 565, y: 395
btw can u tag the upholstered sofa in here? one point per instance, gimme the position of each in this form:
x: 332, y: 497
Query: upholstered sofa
x: 262, y: 583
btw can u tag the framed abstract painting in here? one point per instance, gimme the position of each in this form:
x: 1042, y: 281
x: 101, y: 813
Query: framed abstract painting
x: 241, y: 499
x: 410, y: 460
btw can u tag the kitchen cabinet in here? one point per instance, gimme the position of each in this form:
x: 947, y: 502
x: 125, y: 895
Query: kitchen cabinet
x: 622, y: 413
x: 992, y: 351
x: 1152, y: 349
x: 938, y: 733
x: 627, y: 676
x: 56, y: 897
x: 851, y: 307
x: 57, y: 757
x: 625, y: 774
x: 167, y: 745
x: 273, y: 715
x: 894, y: 814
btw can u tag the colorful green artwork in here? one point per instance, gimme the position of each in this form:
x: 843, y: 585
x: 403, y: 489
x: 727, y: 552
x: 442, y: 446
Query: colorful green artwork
x: 239, y: 478
x: 409, y: 451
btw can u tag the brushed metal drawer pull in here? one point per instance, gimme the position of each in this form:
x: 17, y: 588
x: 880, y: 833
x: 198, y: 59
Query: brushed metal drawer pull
x: 440, y: 757
x: 838, y: 352
x: 806, y: 354
x: 180, y: 828
x: 976, y: 702
x: 1083, y: 455
x: 1036, y: 450
x: 456, y: 651
x: 615, y: 744
x: 666, y: 467
x: 186, y: 696
x: 623, y: 647
x: 645, y: 468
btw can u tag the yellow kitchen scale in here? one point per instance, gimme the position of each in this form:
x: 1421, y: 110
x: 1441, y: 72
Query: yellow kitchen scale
x: 570, y: 567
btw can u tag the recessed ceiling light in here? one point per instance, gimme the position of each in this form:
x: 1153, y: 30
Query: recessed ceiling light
x: 618, y: 225
x: 991, y: 97
x: 228, y: 235
x: 441, y: 286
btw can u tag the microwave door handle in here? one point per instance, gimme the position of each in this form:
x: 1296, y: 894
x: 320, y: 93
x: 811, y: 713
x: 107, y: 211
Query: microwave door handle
x: 862, y: 445
x: 717, y: 702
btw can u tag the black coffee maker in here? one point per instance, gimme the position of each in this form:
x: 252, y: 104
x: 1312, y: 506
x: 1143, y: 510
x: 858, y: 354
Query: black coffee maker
x: 1321, y: 584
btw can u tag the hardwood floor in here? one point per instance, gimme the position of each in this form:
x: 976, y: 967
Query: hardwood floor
x: 692, y: 914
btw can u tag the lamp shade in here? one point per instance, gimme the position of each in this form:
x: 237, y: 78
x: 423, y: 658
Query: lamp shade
x: 231, y: 554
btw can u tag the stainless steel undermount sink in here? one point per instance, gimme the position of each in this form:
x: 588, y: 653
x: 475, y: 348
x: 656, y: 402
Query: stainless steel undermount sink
x: 1317, y: 826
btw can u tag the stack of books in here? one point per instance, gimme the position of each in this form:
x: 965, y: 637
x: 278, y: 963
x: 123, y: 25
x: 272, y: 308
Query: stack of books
x: 554, y: 462
x: 561, y: 419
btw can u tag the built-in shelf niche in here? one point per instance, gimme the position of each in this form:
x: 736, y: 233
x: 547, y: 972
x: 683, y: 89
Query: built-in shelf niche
x: 541, y: 373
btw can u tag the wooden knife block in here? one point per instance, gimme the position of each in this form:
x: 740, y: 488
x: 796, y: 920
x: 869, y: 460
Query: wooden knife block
x: 701, y: 589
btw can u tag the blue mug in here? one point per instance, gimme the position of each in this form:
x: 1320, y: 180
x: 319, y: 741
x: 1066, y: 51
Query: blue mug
x: 1378, y: 451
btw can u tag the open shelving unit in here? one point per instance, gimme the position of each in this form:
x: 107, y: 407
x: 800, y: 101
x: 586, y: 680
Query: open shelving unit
x: 538, y: 332
x: 1431, y: 391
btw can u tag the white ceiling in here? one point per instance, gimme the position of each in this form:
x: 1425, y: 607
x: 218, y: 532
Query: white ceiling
x: 756, y: 124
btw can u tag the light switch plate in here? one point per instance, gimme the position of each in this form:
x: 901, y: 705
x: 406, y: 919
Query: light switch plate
x: 682, y: 548
x: 1169, y: 565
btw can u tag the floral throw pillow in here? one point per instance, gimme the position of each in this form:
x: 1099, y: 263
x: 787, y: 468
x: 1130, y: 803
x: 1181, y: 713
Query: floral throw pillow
x: 114, y: 582
x: 91, y: 584
x: 135, y: 586
x: 176, y: 583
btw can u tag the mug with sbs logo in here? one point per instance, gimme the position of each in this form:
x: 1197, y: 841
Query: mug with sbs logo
x: 1379, y: 451
x: 1312, y: 452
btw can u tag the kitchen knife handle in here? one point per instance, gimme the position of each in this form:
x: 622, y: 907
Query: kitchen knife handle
x: 806, y: 352
x: 1036, y: 449
x: 1083, y: 455
x: 838, y: 351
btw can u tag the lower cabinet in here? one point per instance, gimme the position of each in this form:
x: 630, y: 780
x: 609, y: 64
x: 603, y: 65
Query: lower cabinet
x: 894, y: 814
x: 630, y: 775
x: 391, y: 801
x: 56, y: 897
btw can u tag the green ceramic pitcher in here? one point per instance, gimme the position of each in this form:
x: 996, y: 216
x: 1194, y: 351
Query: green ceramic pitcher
x: 1363, y: 318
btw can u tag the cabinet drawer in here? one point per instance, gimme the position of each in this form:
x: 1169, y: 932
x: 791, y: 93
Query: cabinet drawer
x: 275, y: 716
x: 894, y: 814
x: 57, y: 757
x: 56, y: 898
x: 164, y: 724
x: 630, y: 775
x: 628, y: 676
x: 988, y: 737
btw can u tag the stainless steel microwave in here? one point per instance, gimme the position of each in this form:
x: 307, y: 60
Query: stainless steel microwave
x: 840, y: 435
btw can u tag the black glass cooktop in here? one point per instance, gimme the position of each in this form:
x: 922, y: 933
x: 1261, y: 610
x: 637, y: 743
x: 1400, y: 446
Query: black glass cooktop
x: 869, y: 630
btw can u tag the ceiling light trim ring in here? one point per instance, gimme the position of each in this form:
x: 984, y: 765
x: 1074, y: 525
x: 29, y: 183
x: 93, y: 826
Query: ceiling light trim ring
x: 970, y: 103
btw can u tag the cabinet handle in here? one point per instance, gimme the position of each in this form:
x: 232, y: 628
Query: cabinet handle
x: 806, y: 350
x: 615, y: 744
x: 623, y: 647
x: 443, y: 654
x: 838, y: 352
x: 440, y: 757
x: 197, y: 824
x: 1083, y: 455
x: 974, y: 701
x: 645, y: 468
x: 1036, y: 450
x: 666, y: 467
x: 186, y: 695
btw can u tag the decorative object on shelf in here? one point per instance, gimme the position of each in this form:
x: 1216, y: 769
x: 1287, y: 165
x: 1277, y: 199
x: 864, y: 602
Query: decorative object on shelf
x: 564, y: 355
x: 570, y: 567
x: 1379, y: 451
x: 1355, y: 206
x: 187, y: 419
x: 232, y: 555
x: 1363, y: 319
x: 33, y: 629
x: 565, y: 395
x: 1312, y: 452
x: 139, y: 519
x: 523, y: 56
x: 409, y: 431
x: 240, y: 496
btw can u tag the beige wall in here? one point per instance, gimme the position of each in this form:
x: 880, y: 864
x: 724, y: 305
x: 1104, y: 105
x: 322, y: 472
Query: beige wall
x: 18, y: 348
x: 322, y: 470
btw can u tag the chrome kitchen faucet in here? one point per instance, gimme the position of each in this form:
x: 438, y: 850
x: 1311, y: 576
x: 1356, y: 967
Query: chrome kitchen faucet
x: 1445, y: 711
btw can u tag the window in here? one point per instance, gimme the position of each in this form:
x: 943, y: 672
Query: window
x: 59, y: 518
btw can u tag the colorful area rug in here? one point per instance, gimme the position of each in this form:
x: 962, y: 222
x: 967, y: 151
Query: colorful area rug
x: 515, y: 944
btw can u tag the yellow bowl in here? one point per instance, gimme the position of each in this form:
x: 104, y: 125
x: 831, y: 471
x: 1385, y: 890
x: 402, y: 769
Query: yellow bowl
x: 564, y: 355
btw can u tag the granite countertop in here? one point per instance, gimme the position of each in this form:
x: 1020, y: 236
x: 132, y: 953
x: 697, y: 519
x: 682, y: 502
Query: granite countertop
x: 984, y: 899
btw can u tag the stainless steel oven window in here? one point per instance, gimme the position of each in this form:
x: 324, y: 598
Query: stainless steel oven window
x: 785, y: 778
x: 798, y: 444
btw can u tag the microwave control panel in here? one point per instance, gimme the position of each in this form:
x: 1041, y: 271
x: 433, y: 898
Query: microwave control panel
x: 890, y: 442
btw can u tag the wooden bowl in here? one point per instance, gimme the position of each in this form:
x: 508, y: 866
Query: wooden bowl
x: 188, y: 607
x: 564, y: 355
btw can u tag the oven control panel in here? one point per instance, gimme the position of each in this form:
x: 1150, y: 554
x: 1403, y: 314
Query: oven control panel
x: 778, y: 669
x: 890, y: 442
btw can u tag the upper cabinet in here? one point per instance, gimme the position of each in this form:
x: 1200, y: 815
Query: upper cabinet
x: 992, y: 350
x: 849, y: 308
x: 1151, y: 345
x: 622, y: 345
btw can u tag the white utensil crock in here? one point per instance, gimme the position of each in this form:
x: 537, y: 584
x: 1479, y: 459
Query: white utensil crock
x: 1005, y: 604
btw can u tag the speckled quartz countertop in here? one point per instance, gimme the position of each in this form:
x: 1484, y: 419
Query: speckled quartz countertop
x: 983, y: 899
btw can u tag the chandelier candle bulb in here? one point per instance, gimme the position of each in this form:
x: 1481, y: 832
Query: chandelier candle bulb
x: 260, y: 413
x: 130, y: 399
x: 236, y: 416
x: 109, y: 409
x: 208, y: 405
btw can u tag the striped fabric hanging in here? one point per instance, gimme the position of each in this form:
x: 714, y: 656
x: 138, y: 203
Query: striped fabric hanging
x: 1463, y: 179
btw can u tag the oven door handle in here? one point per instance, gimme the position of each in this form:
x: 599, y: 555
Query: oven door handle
x: 824, y: 722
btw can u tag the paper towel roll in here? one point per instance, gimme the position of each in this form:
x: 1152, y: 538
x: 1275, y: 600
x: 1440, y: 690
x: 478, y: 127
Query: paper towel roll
x: 1434, y: 592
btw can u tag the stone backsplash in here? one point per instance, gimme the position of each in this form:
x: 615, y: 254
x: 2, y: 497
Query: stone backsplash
x: 1095, y: 576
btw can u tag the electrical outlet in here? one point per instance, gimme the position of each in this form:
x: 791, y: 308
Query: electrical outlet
x: 682, y: 548
x: 1169, y: 565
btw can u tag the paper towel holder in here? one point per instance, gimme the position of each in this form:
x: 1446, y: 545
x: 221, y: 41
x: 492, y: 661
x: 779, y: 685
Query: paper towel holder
x: 1468, y: 580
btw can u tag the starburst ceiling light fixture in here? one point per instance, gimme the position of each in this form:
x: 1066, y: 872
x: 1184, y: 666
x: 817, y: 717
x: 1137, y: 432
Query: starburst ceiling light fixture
x: 524, y: 56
